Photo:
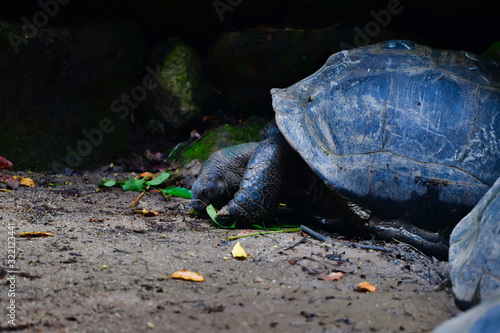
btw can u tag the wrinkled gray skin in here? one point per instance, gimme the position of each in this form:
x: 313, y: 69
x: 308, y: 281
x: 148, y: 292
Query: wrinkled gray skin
x: 475, y: 252
x: 393, y: 141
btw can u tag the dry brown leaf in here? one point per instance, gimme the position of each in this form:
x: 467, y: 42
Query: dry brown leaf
x: 194, y: 134
x: 12, y: 182
x: 35, y: 234
x: 188, y: 276
x: 365, y: 286
x: 245, y: 232
x: 258, y: 279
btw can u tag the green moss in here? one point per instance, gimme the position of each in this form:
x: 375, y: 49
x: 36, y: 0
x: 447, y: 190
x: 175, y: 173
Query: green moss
x: 179, y: 74
x: 221, y: 137
x: 493, y: 52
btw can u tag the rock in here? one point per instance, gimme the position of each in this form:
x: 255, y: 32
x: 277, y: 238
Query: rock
x: 58, y: 88
x: 474, y: 252
x: 177, y: 102
x: 484, y: 318
x: 216, y: 139
x: 245, y: 65
x: 493, y: 52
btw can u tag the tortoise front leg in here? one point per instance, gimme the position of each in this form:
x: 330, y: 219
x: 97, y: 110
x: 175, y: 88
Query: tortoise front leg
x: 261, y: 185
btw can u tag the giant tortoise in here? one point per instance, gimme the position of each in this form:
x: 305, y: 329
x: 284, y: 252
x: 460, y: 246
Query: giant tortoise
x: 393, y: 141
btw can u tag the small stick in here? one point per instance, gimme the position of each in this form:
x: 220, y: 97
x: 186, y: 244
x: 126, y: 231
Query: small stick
x: 371, y: 247
x: 139, y: 197
x: 303, y: 240
x: 314, y: 234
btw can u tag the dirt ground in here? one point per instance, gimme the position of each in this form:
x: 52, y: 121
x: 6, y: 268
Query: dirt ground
x: 107, y: 269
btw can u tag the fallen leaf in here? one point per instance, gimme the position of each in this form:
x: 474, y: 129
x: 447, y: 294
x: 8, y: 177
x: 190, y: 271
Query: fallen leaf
x: 188, y: 276
x: 365, y: 286
x: 178, y: 192
x: 210, y: 117
x: 146, y: 175
x: 12, y: 182
x: 158, y: 179
x: 154, y: 157
x: 245, y: 232
x: 35, y: 234
x: 334, y: 276
x: 194, y: 134
x: 238, y: 252
x: 258, y: 279
x: 27, y: 182
x: 212, y: 212
x: 146, y: 212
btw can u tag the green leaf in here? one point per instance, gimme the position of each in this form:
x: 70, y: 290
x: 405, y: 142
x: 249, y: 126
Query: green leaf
x: 109, y: 183
x: 178, y: 192
x: 133, y: 185
x: 212, y: 213
x: 160, y: 178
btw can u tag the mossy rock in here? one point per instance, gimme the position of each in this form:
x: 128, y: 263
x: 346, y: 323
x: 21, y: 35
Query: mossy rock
x: 221, y: 137
x: 177, y: 102
x: 493, y: 52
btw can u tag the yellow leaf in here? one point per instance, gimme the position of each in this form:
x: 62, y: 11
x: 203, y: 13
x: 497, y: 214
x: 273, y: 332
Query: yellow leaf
x: 27, y: 182
x: 365, y: 286
x: 148, y: 212
x: 187, y: 275
x: 238, y: 252
x: 35, y: 234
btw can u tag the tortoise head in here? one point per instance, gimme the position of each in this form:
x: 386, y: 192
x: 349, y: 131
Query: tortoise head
x: 220, y: 176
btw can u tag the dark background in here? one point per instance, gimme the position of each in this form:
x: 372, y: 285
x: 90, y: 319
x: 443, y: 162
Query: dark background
x: 38, y: 119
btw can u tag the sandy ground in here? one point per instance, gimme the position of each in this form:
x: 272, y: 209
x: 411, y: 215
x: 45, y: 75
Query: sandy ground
x: 107, y: 269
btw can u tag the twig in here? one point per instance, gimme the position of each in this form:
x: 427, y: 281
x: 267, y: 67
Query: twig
x: 139, y: 197
x: 371, y: 247
x: 303, y: 240
x: 314, y: 234
x: 9, y: 191
x: 264, y: 232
